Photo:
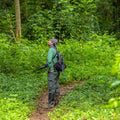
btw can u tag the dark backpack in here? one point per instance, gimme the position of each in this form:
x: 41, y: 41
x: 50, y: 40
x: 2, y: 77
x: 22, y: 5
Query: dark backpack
x: 59, y: 65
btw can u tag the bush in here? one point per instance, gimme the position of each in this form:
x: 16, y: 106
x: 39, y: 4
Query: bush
x: 92, y: 62
x: 85, y: 61
x: 19, y: 57
x: 18, y: 94
x: 64, y: 21
x: 87, y: 101
x: 115, y: 100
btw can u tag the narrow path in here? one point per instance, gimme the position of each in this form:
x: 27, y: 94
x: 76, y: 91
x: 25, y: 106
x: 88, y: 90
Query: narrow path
x: 41, y: 112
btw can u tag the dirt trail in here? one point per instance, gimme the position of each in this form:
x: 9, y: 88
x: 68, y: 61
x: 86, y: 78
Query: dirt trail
x: 41, y: 112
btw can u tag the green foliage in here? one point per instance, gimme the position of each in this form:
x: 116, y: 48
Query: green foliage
x: 39, y: 26
x: 21, y: 80
x: 91, y: 61
x: 88, y: 57
x: 12, y: 109
x: 87, y: 102
x: 7, y: 23
x: 88, y: 60
x: 17, y: 94
x: 115, y: 101
x: 105, y: 16
x: 18, y: 57
x: 84, y: 20
x: 63, y: 19
x: 62, y: 23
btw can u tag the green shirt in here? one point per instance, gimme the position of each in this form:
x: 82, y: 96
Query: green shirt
x: 50, y: 61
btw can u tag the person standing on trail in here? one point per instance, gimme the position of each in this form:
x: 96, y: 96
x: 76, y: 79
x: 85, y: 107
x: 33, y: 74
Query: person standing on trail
x: 53, y: 74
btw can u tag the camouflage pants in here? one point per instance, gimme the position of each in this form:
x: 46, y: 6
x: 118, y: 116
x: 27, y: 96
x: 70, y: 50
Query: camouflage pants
x: 53, y: 82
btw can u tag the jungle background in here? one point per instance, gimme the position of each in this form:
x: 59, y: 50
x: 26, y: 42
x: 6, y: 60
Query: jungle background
x: 89, y: 39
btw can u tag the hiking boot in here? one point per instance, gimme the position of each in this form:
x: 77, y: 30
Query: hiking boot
x: 50, y: 105
x: 56, y: 103
x: 51, y: 100
x: 56, y: 99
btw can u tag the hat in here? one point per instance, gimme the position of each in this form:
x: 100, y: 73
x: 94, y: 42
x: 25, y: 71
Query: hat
x: 55, y: 41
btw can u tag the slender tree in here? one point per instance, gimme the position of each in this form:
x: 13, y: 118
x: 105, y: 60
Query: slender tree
x: 18, y: 18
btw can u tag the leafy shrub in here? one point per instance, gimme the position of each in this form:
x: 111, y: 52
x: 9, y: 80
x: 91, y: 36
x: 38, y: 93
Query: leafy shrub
x: 16, y: 58
x: 21, y: 61
x: 85, y: 60
x: 39, y: 27
x: 63, y: 21
x: 87, y: 101
x: 18, y: 95
x: 21, y: 80
x: 115, y: 100
x: 92, y: 62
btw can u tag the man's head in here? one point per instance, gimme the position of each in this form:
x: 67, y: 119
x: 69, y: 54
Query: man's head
x: 53, y: 42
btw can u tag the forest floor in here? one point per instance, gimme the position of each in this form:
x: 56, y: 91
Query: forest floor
x: 41, y: 111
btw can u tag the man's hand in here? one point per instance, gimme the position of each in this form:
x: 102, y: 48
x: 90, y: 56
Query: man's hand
x: 44, y: 66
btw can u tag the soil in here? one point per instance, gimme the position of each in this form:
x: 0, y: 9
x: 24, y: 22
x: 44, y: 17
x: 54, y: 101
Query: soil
x: 42, y: 110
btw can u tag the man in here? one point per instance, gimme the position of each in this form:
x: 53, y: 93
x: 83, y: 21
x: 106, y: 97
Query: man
x: 53, y: 74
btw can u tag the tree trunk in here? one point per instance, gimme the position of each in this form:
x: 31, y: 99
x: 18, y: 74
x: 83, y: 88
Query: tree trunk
x: 18, y: 19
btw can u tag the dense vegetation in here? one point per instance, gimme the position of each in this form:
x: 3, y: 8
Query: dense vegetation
x: 98, y: 97
x: 88, y: 34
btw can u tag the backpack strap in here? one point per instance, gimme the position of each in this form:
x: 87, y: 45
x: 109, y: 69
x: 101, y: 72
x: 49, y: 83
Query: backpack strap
x: 59, y: 56
x: 55, y: 54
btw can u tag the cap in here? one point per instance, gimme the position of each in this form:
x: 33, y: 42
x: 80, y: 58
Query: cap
x: 55, y: 41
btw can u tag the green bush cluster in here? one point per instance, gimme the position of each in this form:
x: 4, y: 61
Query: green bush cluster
x: 22, y: 81
x: 18, y: 94
x: 92, y: 62
x: 62, y: 23
x: 115, y: 100
x: 63, y: 18
x: 21, y: 57
x: 87, y: 101
x: 85, y: 60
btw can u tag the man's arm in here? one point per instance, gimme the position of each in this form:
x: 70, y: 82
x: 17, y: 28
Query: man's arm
x: 49, y: 58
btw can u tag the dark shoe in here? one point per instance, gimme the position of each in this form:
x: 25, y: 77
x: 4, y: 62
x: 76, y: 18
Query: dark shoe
x: 50, y: 105
x: 56, y: 104
x: 56, y: 99
x: 51, y: 100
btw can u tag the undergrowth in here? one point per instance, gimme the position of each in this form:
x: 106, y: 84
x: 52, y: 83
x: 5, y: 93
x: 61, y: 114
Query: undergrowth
x: 18, y: 95
x: 21, y: 80
x: 87, y: 102
x: 90, y: 100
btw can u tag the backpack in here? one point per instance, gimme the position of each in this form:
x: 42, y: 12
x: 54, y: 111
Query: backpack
x: 59, y: 65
